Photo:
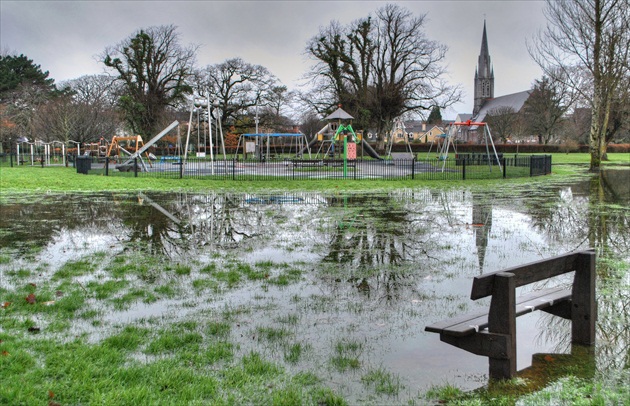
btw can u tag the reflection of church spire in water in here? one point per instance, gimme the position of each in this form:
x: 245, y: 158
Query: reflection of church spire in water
x: 482, y: 224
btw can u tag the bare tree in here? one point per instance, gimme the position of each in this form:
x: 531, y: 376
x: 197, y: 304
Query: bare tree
x: 85, y: 113
x: 310, y: 123
x: 153, y: 67
x: 546, y: 107
x: 100, y: 90
x: 380, y: 68
x: 590, y: 37
x: 576, y: 127
x: 236, y: 86
x: 502, y: 120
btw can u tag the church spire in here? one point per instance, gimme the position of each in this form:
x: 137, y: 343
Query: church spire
x: 484, y: 74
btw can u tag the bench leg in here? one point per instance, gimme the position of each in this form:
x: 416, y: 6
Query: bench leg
x: 502, y: 320
x: 584, y: 306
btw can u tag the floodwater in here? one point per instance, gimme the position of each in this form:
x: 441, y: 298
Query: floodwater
x: 369, y: 268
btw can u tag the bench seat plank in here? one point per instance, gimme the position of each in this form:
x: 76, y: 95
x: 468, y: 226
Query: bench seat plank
x: 477, y: 321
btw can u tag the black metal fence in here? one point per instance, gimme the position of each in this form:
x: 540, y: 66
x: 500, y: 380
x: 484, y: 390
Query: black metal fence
x: 464, y: 166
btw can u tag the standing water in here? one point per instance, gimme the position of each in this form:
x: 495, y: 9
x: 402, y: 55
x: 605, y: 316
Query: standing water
x: 352, y: 279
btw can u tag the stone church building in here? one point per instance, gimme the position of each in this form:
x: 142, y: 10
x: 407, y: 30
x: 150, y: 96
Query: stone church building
x: 485, y: 103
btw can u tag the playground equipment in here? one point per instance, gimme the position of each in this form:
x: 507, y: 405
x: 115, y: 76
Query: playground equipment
x: 265, y: 145
x: 99, y: 149
x: 124, y: 144
x: 328, y: 136
x: 204, y: 114
x: 399, y: 125
x: 142, y: 150
x: 78, y: 146
x: 443, y: 143
x: 40, y: 152
x: 487, y: 136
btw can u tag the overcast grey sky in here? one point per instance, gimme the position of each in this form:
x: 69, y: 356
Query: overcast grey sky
x: 65, y: 37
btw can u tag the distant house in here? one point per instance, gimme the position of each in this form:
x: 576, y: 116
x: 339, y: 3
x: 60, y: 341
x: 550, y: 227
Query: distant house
x: 432, y: 135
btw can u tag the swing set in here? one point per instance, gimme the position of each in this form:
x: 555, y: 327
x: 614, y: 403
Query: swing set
x: 448, y: 137
x: 264, y: 146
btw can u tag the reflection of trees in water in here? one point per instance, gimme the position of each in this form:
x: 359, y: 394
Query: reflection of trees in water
x: 591, y: 214
x: 48, y: 217
x: 583, y: 215
x: 148, y: 227
x: 376, y: 235
x: 229, y: 221
x: 613, y: 336
x: 221, y: 221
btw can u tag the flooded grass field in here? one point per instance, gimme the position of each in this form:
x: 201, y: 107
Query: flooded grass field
x: 264, y: 298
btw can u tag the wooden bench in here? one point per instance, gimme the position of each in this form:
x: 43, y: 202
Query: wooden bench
x: 303, y: 163
x: 338, y: 163
x: 492, y: 333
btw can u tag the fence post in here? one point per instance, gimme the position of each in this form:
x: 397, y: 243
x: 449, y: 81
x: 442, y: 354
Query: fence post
x: 106, y: 166
x: 531, y: 166
x: 233, y: 169
x: 11, y: 158
x: 135, y: 167
x: 504, y: 167
x: 464, y: 168
x: 413, y: 167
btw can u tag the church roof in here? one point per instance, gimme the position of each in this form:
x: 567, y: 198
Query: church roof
x: 463, y: 117
x: 515, y: 101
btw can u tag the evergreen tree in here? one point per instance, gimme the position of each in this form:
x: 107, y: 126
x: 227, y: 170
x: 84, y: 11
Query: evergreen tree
x: 19, y: 70
x: 435, y: 117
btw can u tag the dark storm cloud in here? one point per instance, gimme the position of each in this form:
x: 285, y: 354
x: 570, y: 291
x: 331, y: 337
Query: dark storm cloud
x: 65, y: 37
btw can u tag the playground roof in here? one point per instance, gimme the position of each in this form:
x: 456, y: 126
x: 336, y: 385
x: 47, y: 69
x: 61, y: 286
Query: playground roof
x: 273, y: 135
x: 339, y: 114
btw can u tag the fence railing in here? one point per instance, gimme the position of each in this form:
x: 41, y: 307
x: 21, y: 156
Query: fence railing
x: 461, y: 167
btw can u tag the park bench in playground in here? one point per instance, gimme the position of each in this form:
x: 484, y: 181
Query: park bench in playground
x: 304, y: 163
x: 492, y: 333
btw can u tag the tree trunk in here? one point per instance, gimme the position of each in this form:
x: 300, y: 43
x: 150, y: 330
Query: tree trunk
x: 599, y: 123
x: 594, y: 136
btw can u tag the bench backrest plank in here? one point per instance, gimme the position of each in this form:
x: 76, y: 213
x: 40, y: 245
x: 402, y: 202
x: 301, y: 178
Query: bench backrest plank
x: 483, y: 285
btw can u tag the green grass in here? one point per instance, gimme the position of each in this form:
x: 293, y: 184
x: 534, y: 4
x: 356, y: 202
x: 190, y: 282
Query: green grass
x: 73, y: 269
x: 36, y: 179
x: 158, y: 361
x: 382, y: 382
x: 346, y: 355
x: 272, y: 334
x: 293, y: 353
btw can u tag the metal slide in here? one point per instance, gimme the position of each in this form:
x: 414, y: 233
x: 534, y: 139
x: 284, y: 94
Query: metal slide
x: 370, y: 151
x: 152, y: 141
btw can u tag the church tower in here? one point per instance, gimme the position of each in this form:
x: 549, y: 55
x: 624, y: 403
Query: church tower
x: 484, y: 75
